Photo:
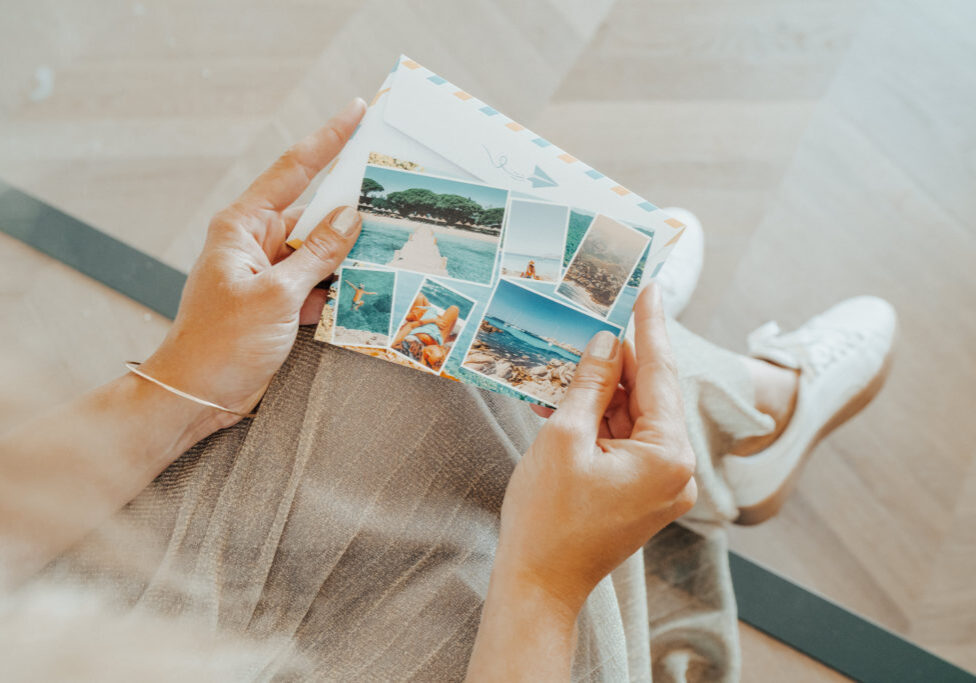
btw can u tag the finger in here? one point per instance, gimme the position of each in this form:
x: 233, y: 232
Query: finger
x: 650, y: 374
x: 286, y: 179
x: 311, y: 311
x: 323, y: 250
x: 290, y: 217
x: 594, y: 382
x: 288, y: 221
x: 651, y: 343
x: 542, y: 411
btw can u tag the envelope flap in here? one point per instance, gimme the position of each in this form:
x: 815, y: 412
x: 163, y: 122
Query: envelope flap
x: 499, y: 151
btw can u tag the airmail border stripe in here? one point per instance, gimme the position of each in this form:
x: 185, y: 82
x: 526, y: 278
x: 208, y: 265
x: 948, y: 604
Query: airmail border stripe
x: 516, y: 127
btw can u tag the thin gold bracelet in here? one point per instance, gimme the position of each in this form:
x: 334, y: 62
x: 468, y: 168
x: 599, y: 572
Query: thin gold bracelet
x: 132, y: 366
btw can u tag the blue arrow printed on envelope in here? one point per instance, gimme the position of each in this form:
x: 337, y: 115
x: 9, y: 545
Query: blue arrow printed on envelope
x: 541, y: 179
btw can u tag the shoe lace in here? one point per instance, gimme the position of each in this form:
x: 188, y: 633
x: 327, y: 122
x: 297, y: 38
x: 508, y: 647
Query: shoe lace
x: 811, y: 349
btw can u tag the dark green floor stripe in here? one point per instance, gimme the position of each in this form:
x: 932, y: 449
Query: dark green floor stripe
x: 829, y: 633
x: 97, y: 255
x: 811, y: 624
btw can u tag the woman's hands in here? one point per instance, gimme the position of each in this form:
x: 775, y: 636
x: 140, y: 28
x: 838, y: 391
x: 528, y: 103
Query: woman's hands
x: 247, y: 293
x: 611, y: 467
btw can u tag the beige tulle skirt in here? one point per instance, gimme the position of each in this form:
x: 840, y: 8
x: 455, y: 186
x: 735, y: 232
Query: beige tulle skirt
x: 347, y: 533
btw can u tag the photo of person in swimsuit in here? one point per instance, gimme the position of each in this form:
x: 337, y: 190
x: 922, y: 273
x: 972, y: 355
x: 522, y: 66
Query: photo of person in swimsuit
x: 425, y: 333
x: 432, y: 325
x: 357, y: 299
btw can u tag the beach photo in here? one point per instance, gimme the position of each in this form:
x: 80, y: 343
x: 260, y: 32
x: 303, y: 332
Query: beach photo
x: 428, y: 224
x: 535, y: 237
x: 530, y: 342
x: 602, y: 264
x: 431, y: 326
x: 364, y: 307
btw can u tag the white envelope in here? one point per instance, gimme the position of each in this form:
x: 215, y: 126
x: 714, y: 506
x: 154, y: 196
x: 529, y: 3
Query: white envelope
x: 420, y: 117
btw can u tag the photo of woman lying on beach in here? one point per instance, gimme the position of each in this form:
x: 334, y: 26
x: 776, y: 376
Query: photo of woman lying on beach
x: 432, y: 325
x: 428, y: 224
x: 530, y: 342
x: 602, y: 265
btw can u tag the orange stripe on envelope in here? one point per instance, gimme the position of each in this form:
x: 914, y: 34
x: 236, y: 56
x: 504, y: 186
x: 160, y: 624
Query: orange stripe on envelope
x: 676, y: 237
x: 621, y: 190
x: 511, y: 125
x: 569, y: 159
x: 410, y: 64
x: 461, y: 95
x: 378, y: 95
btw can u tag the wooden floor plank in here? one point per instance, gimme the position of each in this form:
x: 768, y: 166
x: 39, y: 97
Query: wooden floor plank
x: 828, y: 147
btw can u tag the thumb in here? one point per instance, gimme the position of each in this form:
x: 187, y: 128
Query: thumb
x: 323, y: 250
x: 594, y: 383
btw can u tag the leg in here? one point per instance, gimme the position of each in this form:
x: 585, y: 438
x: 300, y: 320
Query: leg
x: 775, y: 390
x: 446, y: 322
x: 353, y: 525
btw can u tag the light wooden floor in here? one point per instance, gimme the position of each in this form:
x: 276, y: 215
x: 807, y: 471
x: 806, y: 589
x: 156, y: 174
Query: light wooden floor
x: 829, y: 148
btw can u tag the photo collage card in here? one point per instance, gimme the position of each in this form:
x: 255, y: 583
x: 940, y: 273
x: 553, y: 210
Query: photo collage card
x: 478, y: 283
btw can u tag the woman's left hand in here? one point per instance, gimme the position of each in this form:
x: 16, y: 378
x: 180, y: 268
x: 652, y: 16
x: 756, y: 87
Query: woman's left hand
x: 247, y: 292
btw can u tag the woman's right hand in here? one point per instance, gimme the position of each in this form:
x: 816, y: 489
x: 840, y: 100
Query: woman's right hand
x: 611, y: 468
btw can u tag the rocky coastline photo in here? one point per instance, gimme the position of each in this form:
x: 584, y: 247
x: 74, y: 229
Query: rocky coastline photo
x: 530, y: 342
x: 602, y: 265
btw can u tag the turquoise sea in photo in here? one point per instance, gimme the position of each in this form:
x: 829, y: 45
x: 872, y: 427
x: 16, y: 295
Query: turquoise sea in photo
x: 467, y: 258
x: 516, y: 342
x: 374, y: 314
x: 527, y: 321
x: 443, y: 298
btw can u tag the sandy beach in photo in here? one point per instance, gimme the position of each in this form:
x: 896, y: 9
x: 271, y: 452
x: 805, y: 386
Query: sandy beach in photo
x: 351, y: 337
x: 535, y: 238
x: 385, y: 354
x: 428, y: 224
x: 523, y: 265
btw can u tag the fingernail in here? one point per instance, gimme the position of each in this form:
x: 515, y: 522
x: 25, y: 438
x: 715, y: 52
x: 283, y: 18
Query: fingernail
x: 345, y: 222
x: 602, y: 346
x: 353, y: 109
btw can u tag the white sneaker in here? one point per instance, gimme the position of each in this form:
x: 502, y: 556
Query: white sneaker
x: 679, y: 274
x: 843, y: 357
